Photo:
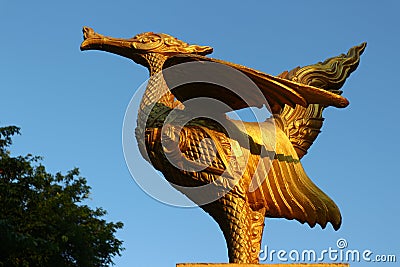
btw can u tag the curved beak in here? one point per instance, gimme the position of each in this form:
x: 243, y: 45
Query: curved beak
x: 96, y: 41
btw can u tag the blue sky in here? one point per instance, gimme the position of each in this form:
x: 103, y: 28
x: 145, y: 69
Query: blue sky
x: 70, y: 106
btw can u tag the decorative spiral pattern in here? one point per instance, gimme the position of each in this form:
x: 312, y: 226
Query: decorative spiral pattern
x: 341, y: 243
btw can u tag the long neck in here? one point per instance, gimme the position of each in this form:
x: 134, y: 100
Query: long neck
x: 156, y: 92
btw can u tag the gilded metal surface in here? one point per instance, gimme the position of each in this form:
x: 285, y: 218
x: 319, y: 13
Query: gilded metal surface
x: 297, y: 99
x: 263, y: 265
x: 303, y: 124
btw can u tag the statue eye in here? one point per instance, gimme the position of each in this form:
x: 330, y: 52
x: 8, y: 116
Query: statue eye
x: 147, y: 39
x: 147, y: 42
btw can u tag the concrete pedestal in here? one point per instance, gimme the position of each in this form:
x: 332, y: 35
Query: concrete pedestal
x: 263, y: 265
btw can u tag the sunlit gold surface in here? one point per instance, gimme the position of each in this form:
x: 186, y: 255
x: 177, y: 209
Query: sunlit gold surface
x: 297, y: 99
x: 263, y: 265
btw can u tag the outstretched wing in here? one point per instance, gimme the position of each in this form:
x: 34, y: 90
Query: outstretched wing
x: 277, y: 91
x: 200, y: 158
x: 195, y: 148
x: 275, y: 182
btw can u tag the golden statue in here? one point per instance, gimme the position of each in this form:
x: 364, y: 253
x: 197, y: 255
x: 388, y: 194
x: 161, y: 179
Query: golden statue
x: 205, y: 152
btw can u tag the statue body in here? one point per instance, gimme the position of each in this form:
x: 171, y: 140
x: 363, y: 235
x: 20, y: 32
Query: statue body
x: 167, y: 133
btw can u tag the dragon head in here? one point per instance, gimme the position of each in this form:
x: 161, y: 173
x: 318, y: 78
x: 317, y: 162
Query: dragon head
x: 137, y: 47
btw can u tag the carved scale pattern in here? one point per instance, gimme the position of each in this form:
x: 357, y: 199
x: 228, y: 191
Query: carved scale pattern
x: 287, y: 192
x: 156, y: 100
x: 303, y: 125
x: 242, y: 227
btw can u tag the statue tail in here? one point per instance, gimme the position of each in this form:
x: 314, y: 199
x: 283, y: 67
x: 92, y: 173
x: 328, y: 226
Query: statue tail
x: 302, y: 124
x: 282, y: 187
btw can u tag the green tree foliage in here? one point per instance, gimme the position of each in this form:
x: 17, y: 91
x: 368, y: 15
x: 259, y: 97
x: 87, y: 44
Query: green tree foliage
x: 43, y: 221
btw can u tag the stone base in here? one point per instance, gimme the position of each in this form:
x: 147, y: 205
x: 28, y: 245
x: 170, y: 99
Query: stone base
x: 263, y: 265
